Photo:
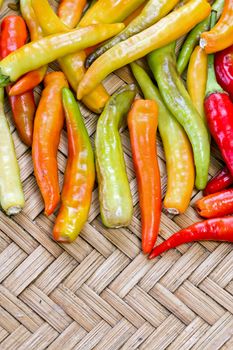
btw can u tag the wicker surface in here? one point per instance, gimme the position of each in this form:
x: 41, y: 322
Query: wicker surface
x: 101, y: 292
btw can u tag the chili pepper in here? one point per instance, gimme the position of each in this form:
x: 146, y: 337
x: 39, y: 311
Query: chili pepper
x: 79, y: 175
x: 38, y: 53
x: 109, y: 11
x: 72, y: 65
x: 221, y: 35
x: 193, y: 38
x: 34, y: 78
x: 152, y: 12
x: 221, y: 181
x: 11, y: 193
x: 178, y: 152
x: 134, y: 14
x: 220, y: 229
x: 196, y: 79
x: 219, y: 111
x: 49, y: 122
x: 223, y: 61
x: 163, y: 65
x: 116, y: 205
x: 70, y: 11
x: 13, y: 36
x: 216, y: 204
x: 171, y: 27
x: 142, y: 123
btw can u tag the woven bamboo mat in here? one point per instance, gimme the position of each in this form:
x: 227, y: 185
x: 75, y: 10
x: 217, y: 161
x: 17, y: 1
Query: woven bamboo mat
x: 101, y: 292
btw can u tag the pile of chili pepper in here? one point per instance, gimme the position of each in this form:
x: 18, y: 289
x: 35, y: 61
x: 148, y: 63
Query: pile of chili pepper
x: 187, y: 97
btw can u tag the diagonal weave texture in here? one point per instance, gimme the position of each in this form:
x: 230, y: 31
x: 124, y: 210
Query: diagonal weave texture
x: 101, y: 292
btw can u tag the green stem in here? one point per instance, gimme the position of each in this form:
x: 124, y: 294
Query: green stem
x: 212, y: 86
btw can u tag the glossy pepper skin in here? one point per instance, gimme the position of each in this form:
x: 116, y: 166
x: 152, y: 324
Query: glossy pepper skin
x: 219, y: 111
x: 70, y: 11
x: 142, y: 123
x: 221, y: 181
x: 168, y: 29
x: 72, y: 65
x: 177, y: 148
x: 116, y: 205
x: 220, y: 229
x: 197, y: 78
x: 223, y: 62
x: 43, y: 51
x: 79, y: 175
x: 14, y: 36
x: 109, y: 11
x: 11, y: 193
x: 221, y: 35
x: 163, y: 65
x: 153, y: 11
x: 49, y: 122
x: 216, y: 205
x: 194, y: 36
x: 34, y: 78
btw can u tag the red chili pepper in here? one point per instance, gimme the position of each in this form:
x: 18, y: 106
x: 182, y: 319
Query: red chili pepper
x: 216, y: 204
x: 13, y: 36
x: 221, y: 181
x: 219, y: 114
x: 220, y: 229
x: 223, y: 62
x: 143, y: 122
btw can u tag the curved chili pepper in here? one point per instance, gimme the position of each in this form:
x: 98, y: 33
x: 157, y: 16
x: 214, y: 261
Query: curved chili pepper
x: 168, y: 29
x: 13, y: 36
x: 11, y: 193
x: 216, y: 205
x: 49, y: 122
x: 70, y: 11
x: 109, y: 11
x: 221, y: 181
x: 152, y: 12
x: 219, y: 111
x: 163, y: 65
x: 116, y: 205
x: 221, y: 35
x: 220, y: 229
x: 197, y: 78
x: 72, y: 65
x: 223, y: 62
x: 79, y: 175
x: 142, y: 123
x: 177, y: 148
x: 40, y: 52
x: 193, y: 38
x: 34, y: 78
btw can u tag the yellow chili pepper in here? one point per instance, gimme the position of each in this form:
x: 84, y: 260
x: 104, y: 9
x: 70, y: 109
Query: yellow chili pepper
x: 72, y: 65
x: 38, y: 53
x: 197, y: 78
x: 168, y: 29
x: 109, y: 11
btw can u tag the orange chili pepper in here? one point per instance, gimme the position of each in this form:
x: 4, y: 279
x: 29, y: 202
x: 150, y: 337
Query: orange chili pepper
x: 197, y: 78
x: 72, y: 65
x: 79, y: 175
x: 34, y: 78
x: 49, y: 122
x: 221, y: 35
x: 142, y: 123
x: 70, y: 11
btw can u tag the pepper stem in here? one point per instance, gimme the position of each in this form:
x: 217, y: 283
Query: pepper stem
x: 212, y: 86
x: 4, y: 80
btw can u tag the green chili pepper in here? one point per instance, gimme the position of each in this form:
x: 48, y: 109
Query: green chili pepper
x: 152, y: 12
x: 163, y: 65
x: 11, y: 193
x: 194, y: 36
x: 116, y: 205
